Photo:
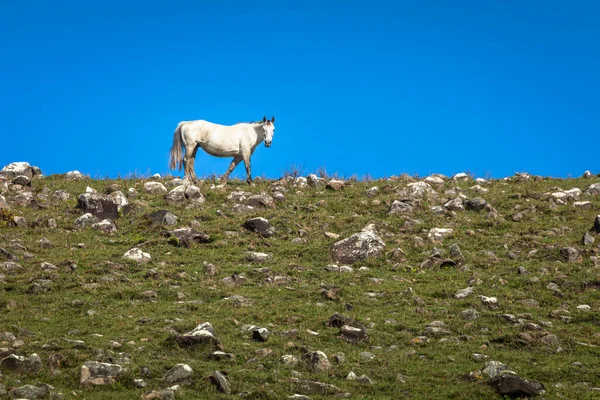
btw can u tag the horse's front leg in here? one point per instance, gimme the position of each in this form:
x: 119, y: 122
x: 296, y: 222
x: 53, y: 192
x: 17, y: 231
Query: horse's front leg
x: 246, y: 158
x: 232, y: 166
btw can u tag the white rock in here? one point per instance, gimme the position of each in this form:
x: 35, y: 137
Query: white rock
x: 136, y: 254
x: 439, y: 233
x: 75, y: 175
x: 462, y: 293
x: 155, y: 187
x: 461, y: 176
x: 584, y: 307
x: 90, y: 190
x: 434, y: 180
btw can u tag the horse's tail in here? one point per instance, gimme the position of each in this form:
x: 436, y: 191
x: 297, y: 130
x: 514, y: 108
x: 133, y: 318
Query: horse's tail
x: 175, y: 155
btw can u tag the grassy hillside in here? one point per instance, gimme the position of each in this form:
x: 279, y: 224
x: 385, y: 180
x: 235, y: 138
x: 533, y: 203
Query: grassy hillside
x: 92, y: 304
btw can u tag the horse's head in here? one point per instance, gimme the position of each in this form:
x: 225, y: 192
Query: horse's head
x: 269, y: 129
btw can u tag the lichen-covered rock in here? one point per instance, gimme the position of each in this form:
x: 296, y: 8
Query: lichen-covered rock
x: 261, y: 201
x: 15, y: 169
x: 359, y: 246
x: 137, y: 255
x: 94, y: 373
x: 99, y: 205
x: 185, y: 237
x: 21, y: 365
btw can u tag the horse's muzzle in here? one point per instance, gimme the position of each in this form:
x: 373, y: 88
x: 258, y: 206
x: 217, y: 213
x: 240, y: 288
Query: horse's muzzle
x: 268, y: 144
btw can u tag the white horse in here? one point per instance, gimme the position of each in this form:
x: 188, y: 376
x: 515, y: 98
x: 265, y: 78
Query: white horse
x: 237, y: 141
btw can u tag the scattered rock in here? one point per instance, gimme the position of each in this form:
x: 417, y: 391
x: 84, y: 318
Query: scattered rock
x: 15, y: 169
x: 105, y: 226
x: 221, y: 382
x: 317, y: 361
x: 508, y: 383
x: 359, y: 246
x: 31, y: 392
x: 439, y: 234
x: 155, y: 188
x: 314, y: 387
x: 99, y: 205
x: 260, y: 201
x: 163, y: 217
x: 94, y: 373
x: 335, y: 184
x: 570, y: 254
x: 260, y: 225
x: 257, y: 257
x: 21, y: 365
x: 185, y: 237
x: 180, y: 374
x: 85, y: 220
x: 137, y: 255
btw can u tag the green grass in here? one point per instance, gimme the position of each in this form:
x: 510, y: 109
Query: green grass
x: 111, y: 287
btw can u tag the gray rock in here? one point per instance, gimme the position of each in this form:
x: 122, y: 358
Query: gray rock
x: 400, y: 207
x: 353, y: 334
x: 257, y: 257
x: 570, y: 254
x: 438, y: 234
x: 221, y: 382
x: 105, y: 226
x: 243, y: 208
x: 260, y: 201
x: 177, y: 195
x: 99, y: 205
x: 335, y: 185
x: 185, y: 237
x: 316, y: 361
x: 31, y: 392
x: 357, y: 247
x: 180, y: 374
x: 434, y: 331
x: 15, y: 169
x: 203, y: 334
x: 4, y: 203
x: 288, y: 359
x: 74, y: 175
x: 463, y: 293
x: 260, y: 225
x: 508, y: 383
x: 314, y: 181
x: 593, y: 189
x: 164, y: 217
x: 260, y: 334
x: 475, y: 204
x: 587, y: 239
x: 137, y: 255
x: 455, y: 204
x: 155, y: 188
x: 313, y: 387
x: 94, y: 373
x: 8, y: 255
x: 21, y: 180
x: 193, y: 194
x: 493, y: 368
x: 85, y: 220
x: 21, y: 365
x: 469, y: 314
x: 165, y: 394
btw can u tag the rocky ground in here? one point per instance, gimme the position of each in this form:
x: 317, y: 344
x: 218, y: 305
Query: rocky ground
x: 300, y: 288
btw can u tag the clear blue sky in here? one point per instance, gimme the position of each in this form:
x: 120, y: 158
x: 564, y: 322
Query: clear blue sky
x: 379, y: 87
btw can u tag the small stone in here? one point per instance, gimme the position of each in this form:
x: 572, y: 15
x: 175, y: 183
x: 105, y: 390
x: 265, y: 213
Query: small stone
x: 463, y: 293
x: 137, y: 255
x: 260, y: 334
x: 469, y: 314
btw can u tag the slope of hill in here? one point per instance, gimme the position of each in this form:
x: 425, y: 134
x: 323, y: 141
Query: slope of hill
x: 396, y: 288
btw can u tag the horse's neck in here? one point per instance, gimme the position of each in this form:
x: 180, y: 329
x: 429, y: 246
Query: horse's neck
x: 260, y: 133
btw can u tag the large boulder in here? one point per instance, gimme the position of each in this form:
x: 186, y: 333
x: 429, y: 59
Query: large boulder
x: 357, y: 247
x: 593, y: 189
x: 20, y: 168
x: 99, y: 205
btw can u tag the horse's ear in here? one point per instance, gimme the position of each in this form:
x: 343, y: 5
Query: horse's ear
x: 273, y: 120
x: 264, y: 119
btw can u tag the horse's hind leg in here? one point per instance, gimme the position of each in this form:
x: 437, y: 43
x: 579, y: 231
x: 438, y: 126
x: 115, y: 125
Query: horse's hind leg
x: 192, y: 161
x: 234, y: 163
